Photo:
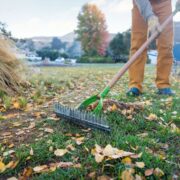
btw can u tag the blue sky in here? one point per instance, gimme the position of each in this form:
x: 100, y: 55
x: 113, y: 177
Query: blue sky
x: 28, y: 18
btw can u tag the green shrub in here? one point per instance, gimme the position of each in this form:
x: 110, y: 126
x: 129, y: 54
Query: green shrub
x: 95, y: 59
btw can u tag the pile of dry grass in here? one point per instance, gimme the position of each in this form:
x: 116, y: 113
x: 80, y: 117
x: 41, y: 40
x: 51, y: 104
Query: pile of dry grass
x: 10, y: 80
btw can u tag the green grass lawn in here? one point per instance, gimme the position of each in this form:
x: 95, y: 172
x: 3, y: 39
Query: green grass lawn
x: 157, y: 139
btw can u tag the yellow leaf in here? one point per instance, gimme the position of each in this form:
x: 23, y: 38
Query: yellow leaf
x: 140, y: 164
x: 152, y: 117
x: 158, y: 172
x: 110, y: 151
x: 126, y: 160
x: 114, y: 108
x: 99, y: 158
x: 2, y: 167
x: 16, y: 105
x: 60, y: 152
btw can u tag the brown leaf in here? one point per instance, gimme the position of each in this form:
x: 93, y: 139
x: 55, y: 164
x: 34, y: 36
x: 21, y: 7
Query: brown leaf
x: 49, y: 130
x: 27, y: 173
x: 32, y: 125
x: 12, y: 164
x: 104, y: 178
x: 149, y: 172
x: 92, y: 175
x: 127, y: 174
x: 79, y: 140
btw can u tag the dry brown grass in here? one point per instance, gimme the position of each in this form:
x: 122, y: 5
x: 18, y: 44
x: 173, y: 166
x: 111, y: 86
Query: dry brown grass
x: 9, y: 69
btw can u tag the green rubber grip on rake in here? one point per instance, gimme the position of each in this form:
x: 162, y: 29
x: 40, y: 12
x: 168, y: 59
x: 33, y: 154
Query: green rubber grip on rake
x: 99, y: 107
x: 105, y: 92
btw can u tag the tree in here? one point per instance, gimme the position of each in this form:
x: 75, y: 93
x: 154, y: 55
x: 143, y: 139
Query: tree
x: 4, y: 31
x: 92, y: 30
x: 57, y: 44
x: 117, y: 45
x: 49, y: 53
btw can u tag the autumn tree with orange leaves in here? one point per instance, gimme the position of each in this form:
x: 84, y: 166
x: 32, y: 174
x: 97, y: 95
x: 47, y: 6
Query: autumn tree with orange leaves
x: 92, y: 30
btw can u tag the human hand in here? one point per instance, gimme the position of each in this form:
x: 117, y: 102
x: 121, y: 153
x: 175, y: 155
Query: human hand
x: 153, y: 25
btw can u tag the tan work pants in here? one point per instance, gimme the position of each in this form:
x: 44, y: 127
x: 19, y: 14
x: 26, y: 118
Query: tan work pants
x: 162, y: 10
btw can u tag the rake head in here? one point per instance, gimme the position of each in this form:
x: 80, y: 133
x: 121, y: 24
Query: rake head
x: 82, y: 118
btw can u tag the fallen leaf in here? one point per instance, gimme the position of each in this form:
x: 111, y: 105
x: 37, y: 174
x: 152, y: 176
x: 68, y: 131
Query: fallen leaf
x: 20, y: 132
x: 149, y: 172
x: 51, y: 149
x: 104, y: 178
x: 138, y: 177
x: 127, y: 174
x: 158, y: 172
x: 16, y: 105
x: 8, y: 153
x: 49, y: 130
x: 110, y: 151
x: 126, y: 160
x: 113, y: 108
x: 12, y: 178
x: 11, y: 145
x: 140, y: 164
x: 39, y: 169
x: 60, y: 152
x: 151, y: 117
x: 32, y: 125
x: 2, y: 167
x: 79, y: 140
x: 70, y: 147
x: 31, y: 152
x: 12, y: 164
x: 99, y: 158
x: 92, y: 175
x: 27, y: 173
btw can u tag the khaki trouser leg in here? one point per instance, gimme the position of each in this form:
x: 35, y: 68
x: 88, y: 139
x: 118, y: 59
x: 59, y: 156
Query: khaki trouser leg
x: 138, y: 37
x: 164, y: 45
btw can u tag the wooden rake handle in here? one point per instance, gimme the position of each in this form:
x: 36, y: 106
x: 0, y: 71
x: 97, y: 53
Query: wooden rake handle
x: 139, y: 52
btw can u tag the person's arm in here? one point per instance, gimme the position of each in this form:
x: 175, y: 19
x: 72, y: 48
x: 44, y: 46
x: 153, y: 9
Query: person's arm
x: 145, y: 8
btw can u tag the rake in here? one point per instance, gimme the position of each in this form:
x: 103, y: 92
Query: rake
x: 95, y: 119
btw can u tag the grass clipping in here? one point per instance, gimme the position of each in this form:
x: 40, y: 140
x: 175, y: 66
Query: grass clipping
x: 10, y: 80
